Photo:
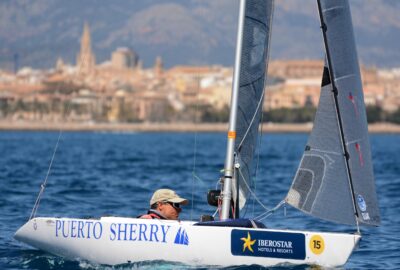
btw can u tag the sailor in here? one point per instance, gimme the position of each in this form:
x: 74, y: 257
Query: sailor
x: 165, y: 204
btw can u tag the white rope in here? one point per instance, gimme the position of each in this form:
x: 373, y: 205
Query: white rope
x: 270, y: 212
x: 194, y: 176
x: 252, y: 193
x: 43, y: 185
x: 247, y: 131
x: 215, y: 213
x: 258, y: 157
x: 252, y: 119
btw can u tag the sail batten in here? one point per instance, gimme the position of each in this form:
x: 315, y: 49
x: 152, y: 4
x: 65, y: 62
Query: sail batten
x: 347, y: 195
x: 254, y: 61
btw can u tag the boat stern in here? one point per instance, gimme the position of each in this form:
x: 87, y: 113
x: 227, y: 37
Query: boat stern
x: 330, y: 249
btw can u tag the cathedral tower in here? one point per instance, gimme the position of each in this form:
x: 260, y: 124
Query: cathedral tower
x: 86, y: 60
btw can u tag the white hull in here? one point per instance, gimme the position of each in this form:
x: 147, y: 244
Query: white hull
x: 115, y: 240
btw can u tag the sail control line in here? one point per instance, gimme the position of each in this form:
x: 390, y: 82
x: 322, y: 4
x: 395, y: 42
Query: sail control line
x: 230, y: 151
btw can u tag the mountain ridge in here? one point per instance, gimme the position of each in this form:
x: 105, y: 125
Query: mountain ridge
x: 188, y: 32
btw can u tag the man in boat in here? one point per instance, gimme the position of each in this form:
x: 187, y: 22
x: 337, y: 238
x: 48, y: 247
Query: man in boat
x: 165, y: 204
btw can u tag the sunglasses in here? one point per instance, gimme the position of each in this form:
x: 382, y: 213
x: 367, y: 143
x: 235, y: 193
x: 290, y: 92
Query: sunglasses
x: 177, y: 206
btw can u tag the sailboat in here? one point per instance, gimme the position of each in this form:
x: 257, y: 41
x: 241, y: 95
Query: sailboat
x: 334, y: 180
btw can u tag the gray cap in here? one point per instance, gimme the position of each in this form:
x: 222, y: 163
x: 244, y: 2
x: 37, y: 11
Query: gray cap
x: 167, y: 195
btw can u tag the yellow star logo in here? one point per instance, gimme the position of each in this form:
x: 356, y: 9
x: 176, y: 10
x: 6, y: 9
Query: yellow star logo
x: 248, y: 242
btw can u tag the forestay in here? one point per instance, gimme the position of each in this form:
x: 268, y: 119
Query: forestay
x: 327, y: 185
x: 254, y: 59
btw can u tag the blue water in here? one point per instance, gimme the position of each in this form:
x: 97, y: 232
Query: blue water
x: 96, y: 174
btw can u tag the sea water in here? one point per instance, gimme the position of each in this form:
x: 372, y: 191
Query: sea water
x: 95, y: 174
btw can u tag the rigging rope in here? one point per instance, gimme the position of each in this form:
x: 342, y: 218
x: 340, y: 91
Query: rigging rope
x: 252, y: 120
x: 258, y: 157
x: 43, y: 185
x: 262, y: 120
x: 194, y: 176
x: 271, y: 211
x: 243, y: 139
x: 252, y: 192
x: 268, y: 211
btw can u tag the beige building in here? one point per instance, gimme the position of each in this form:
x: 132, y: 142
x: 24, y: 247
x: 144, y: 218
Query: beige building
x: 140, y: 106
x: 124, y: 58
x: 296, y: 69
x: 206, y: 85
x: 293, y: 93
x: 302, y: 80
x: 299, y: 84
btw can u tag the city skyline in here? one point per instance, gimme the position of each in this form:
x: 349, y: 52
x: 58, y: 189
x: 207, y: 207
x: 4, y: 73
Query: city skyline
x: 122, y: 90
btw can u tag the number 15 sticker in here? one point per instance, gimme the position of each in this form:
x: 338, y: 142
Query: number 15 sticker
x: 317, y: 244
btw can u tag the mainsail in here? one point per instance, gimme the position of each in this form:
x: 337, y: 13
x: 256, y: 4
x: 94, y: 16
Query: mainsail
x: 253, y: 68
x: 335, y: 178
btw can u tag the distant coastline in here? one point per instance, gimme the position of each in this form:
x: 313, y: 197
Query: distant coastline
x: 171, y: 127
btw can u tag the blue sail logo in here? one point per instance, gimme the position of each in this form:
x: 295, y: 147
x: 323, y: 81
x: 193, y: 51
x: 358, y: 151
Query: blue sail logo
x: 181, y: 237
x: 361, y: 203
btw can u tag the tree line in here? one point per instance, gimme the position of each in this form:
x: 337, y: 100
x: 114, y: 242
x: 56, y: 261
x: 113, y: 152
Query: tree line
x: 300, y: 115
x: 205, y: 113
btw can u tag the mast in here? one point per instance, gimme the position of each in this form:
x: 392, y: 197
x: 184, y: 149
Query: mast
x: 340, y: 123
x: 230, y: 151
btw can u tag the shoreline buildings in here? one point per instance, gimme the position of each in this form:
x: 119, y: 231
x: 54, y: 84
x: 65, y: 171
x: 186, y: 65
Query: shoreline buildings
x: 122, y: 90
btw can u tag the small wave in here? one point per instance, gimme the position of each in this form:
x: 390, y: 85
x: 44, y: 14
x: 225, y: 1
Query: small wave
x: 36, y: 259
